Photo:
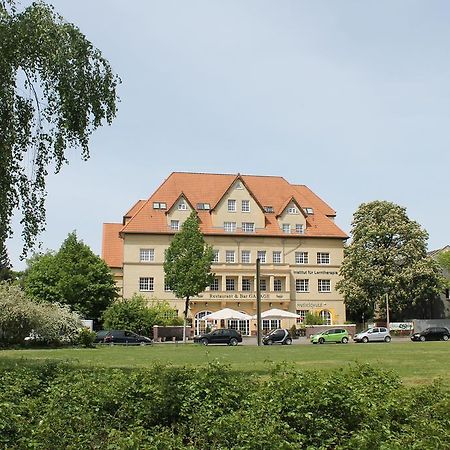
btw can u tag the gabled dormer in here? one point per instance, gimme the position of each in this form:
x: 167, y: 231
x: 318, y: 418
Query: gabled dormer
x: 238, y: 210
x: 292, y: 218
x: 178, y: 212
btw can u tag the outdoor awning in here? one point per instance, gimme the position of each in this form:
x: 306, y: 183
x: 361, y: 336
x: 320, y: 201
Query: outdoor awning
x: 227, y: 313
x: 276, y: 313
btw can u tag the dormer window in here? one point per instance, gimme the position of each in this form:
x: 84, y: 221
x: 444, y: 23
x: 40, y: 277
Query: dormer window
x: 286, y: 227
x: 292, y: 210
x: 229, y: 227
x: 159, y: 205
x: 309, y: 211
x: 239, y: 185
x: 182, y: 206
x: 203, y: 206
x: 268, y: 209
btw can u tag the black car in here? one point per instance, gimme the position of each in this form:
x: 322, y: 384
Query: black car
x: 221, y: 336
x: 432, y: 334
x: 122, y: 337
x: 278, y: 336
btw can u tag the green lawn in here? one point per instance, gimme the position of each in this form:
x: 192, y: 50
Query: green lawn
x: 416, y: 363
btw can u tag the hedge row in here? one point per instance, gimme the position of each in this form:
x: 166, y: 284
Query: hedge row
x: 56, y: 406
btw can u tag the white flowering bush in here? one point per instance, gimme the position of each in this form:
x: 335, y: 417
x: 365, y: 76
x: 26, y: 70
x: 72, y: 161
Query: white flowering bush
x: 44, y: 322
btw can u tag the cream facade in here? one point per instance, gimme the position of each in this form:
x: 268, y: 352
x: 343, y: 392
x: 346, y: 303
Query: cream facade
x: 299, y: 266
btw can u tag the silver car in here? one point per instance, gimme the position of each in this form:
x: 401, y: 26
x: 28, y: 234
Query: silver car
x: 376, y: 334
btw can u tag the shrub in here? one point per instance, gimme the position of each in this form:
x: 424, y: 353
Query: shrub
x: 86, y: 337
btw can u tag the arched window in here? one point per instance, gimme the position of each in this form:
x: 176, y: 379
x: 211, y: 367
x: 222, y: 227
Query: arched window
x: 200, y: 325
x: 326, y: 317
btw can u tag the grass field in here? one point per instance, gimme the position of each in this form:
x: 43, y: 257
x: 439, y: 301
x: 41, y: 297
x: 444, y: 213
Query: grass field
x: 416, y: 363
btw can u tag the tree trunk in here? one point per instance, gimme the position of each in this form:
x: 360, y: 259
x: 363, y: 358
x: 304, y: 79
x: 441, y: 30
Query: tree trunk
x: 186, y: 307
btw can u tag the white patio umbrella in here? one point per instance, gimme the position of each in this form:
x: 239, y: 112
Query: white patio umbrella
x: 276, y: 313
x: 227, y: 313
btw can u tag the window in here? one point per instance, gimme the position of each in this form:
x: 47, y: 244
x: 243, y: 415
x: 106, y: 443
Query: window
x: 263, y: 284
x: 245, y: 206
x: 309, y: 211
x: 326, y: 317
x: 262, y: 256
x: 229, y: 256
x: 324, y: 285
x: 302, y: 313
x: 231, y: 205
x: 299, y: 228
x: 268, y: 209
x: 214, y: 285
x: 301, y: 257
x: 182, y: 206
x: 216, y: 256
x: 203, y: 206
x: 229, y: 227
x: 175, y: 225
x: 239, y: 185
x: 302, y: 285
x: 166, y: 287
x: 159, y: 205
x: 146, y: 283
x: 292, y: 210
x: 248, y: 227
x: 323, y: 258
x: 286, y: 228
x: 276, y: 257
x: 229, y: 284
x: 146, y: 254
x: 277, y: 285
x: 246, y: 284
x: 245, y: 257
x: 271, y: 324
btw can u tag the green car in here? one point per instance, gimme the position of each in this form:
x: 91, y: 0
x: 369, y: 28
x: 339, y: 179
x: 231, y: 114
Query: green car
x: 338, y: 335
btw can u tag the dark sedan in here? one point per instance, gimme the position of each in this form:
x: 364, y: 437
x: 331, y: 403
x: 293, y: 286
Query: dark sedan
x: 221, y: 336
x: 122, y: 337
x: 432, y: 334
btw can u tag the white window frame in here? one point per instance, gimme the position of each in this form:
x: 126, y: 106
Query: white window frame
x: 248, y: 227
x: 276, y: 259
x: 216, y: 257
x: 286, y: 228
x: 246, y: 257
x: 326, y: 316
x: 303, y: 313
x: 301, y: 257
x: 166, y: 287
x: 214, y: 285
x: 245, y: 206
x: 230, y: 256
x: 323, y: 258
x: 299, y: 228
x: 175, y: 225
x: 182, y: 206
x: 231, y: 205
x: 229, y: 227
x: 292, y: 210
x: 146, y: 284
x: 323, y: 285
x: 146, y: 254
x: 302, y: 285
x: 262, y: 256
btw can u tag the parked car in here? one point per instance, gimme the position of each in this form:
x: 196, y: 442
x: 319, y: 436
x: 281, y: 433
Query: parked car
x: 221, y: 336
x: 278, y: 336
x: 432, y: 334
x: 338, y: 335
x: 376, y: 334
x: 122, y: 337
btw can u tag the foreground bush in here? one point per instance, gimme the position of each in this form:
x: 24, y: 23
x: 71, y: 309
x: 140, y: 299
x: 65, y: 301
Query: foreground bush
x: 177, y: 408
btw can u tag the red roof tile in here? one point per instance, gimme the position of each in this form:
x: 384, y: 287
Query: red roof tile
x: 112, y: 244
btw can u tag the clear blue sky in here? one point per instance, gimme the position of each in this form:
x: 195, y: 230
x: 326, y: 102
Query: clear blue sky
x: 350, y: 98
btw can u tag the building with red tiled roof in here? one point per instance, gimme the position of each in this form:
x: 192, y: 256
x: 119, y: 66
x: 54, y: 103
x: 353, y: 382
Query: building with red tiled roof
x: 243, y: 217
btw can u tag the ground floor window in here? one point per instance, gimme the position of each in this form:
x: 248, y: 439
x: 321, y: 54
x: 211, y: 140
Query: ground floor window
x: 240, y: 325
x: 200, y: 325
x: 270, y: 324
x: 326, y: 317
x: 302, y: 313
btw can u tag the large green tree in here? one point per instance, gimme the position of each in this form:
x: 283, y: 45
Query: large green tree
x: 387, y: 255
x: 5, y: 265
x: 74, y: 276
x: 56, y: 88
x: 187, y: 264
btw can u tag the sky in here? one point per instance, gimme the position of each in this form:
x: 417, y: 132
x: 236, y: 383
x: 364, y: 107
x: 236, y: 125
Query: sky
x: 349, y: 98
